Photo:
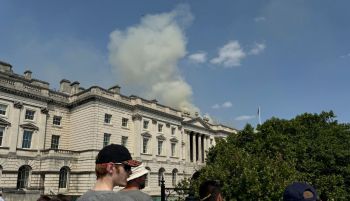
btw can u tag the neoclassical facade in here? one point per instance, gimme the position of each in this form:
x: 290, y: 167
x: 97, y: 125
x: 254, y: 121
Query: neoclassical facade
x: 49, y: 139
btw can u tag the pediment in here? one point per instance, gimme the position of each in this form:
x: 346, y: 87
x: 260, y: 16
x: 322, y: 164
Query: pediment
x: 146, y: 134
x: 173, y: 139
x: 198, y: 122
x: 3, y: 122
x: 161, y: 137
x: 29, y: 126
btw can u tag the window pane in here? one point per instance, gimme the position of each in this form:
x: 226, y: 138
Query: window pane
x: 27, y: 139
x: 57, y: 120
x: 108, y: 118
x: 173, y: 146
x: 55, y: 141
x: 63, y: 178
x: 23, y: 175
x: 1, y: 134
x: 3, y: 109
x: 160, y: 147
x: 145, y: 124
x: 106, y: 139
x: 124, y: 141
x: 145, y: 144
x: 124, y: 122
x: 29, y: 114
x: 160, y: 128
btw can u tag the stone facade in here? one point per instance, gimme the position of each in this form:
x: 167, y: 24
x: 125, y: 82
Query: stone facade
x: 49, y: 139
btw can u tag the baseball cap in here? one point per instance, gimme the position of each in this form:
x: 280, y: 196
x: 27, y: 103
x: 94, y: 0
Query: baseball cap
x: 299, y: 191
x: 137, y: 172
x: 117, y: 154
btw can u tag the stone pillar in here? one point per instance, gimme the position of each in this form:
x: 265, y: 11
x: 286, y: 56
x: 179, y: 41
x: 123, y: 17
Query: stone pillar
x: 135, y: 145
x: 15, y: 129
x: 196, y: 147
x: 199, y: 147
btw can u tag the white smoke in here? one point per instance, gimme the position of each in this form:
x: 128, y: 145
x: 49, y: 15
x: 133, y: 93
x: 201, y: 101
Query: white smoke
x: 145, y: 56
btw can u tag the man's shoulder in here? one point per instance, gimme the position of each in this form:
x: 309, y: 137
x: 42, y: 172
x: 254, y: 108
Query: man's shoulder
x: 103, y: 195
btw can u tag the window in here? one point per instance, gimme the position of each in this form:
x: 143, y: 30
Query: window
x: 55, y: 140
x: 211, y: 141
x: 125, y: 122
x: 57, y: 120
x: 29, y: 114
x: 145, y: 124
x: 160, y: 175
x: 173, y: 146
x: 3, y: 109
x: 63, y: 179
x: 23, y: 176
x: 160, y: 128
x: 147, y: 176
x: 173, y: 177
x: 27, y: 139
x: 173, y: 130
x: 160, y: 147
x: 124, y: 141
x: 106, y: 139
x: 145, y: 145
x: 1, y: 134
x: 108, y: 118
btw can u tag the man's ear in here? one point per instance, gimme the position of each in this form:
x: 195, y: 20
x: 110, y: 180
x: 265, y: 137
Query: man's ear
x: 110, y: 167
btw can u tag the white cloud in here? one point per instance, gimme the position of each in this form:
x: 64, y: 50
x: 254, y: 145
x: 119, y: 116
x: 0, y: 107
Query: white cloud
x: 230, y: 55
x: 200, y: 57
x: 226, y: 104
x: 344, y: 56
x: 259, y: 19
x: 257, y: 49
x: 145, y: 57
x: 245, y: 117
x: 216, y: 106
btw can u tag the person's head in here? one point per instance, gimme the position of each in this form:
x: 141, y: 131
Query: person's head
x: 115, y: 161
x: 210, y: 191
x: 44, y: 198
x: 60, y: 197
x: 138, y: 176
x: 299, y: 191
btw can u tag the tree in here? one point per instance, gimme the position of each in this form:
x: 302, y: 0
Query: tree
x: 259, y: 164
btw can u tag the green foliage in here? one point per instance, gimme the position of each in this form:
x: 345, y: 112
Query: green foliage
x: 259, y: 164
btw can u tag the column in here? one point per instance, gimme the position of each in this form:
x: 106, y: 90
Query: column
x: 199, y: 148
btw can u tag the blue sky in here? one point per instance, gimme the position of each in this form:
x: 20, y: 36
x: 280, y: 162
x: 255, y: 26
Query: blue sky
x: 222, y: 58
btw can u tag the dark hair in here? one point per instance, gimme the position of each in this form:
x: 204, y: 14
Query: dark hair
x: 61, y: 197
x: 209, y: 190
x: 44, y: 198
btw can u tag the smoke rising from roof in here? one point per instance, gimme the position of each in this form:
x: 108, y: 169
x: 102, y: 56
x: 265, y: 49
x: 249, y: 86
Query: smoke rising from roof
x: 145, y: 57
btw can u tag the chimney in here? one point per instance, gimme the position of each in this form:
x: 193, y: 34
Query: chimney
x: 65, y: 86
x: 115, y: 89
x: 5, y: 67
x: 74, y: 87
x: 28, y: 74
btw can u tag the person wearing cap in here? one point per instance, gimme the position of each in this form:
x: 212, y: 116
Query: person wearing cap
x: 136, y: 182
x: 113, y: 167
x: 299, y: 191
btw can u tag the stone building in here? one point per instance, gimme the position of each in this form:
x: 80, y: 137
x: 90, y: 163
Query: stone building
x: 49, y: 139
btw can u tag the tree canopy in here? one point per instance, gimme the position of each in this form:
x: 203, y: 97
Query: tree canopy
x: 259, y: 164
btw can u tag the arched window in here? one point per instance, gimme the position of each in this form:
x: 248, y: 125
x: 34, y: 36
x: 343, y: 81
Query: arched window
x: 63, y: 180
x: 147, y: 176
x: 160, y: 175
x: 23, y: 176
x: 173, y: 176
